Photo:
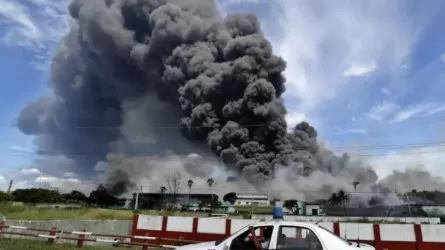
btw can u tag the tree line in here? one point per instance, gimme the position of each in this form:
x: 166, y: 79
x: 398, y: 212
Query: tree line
x: 100, y: 197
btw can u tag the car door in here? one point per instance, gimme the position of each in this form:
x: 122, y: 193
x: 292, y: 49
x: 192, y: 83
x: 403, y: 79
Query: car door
x: 244, y: 240
x: 297, y: 238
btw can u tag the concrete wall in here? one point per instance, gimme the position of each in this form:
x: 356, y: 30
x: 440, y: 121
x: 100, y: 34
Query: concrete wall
x: 352, y: 231
x: 115, y: 227
x: 430, y: 220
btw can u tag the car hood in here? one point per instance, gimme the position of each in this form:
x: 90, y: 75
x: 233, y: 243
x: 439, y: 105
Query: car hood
x: 198, y: 246
x: 362, y: 246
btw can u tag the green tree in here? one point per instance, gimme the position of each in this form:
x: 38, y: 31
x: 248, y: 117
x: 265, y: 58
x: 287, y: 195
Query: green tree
x: 230, y: 197
x: 75, y: 196
x: 292, y: 206
x: 37, y: 195
x: 102, y: 197
x: 5, y: 197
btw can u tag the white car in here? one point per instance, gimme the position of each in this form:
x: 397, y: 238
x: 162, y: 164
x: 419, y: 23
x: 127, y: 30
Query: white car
x: 284, y: 235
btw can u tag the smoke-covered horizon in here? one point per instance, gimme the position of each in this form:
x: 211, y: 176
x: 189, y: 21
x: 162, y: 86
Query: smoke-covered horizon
x: 150, y: 87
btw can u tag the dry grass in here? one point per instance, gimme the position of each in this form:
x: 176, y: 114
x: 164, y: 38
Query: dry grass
x: 254, y: 208
x: 24, y: 212
x: 19, y: 244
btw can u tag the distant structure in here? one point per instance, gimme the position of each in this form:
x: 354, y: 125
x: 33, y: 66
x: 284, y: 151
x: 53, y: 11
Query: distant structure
x: 158, y: 200
x: 312, y: 209
x: 434, y: 210
x: 252, y: 199
x: 10, y: 186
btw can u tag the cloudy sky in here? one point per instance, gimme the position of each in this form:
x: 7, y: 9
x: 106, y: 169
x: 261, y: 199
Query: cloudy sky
x: 367, y: 74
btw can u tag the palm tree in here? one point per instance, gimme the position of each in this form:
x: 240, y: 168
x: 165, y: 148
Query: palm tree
x: 210, y: 182
x: 340, y: 198
x: 343, y: 198
x: 355, y: 184
x: 334, y: 200
x: 190, y: 184
x: 162, y: 190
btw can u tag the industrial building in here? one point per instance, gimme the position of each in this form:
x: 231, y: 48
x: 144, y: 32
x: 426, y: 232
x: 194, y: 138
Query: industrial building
x: 158, y: 200
x: 252, y: 199
x: 312, y: 208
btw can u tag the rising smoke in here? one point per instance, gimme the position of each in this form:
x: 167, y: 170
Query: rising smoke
x: 138, y: 84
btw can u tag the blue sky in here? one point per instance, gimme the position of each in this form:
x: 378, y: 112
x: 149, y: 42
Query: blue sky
x: 364, y: 73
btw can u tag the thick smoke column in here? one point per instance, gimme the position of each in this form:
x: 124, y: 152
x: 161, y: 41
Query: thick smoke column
x: 160, y: 77
x: 214, y: 78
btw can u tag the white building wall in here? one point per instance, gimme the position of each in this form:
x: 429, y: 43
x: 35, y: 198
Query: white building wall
x: 434, y: 210
x: 309, y: 208
x: 252, y: 201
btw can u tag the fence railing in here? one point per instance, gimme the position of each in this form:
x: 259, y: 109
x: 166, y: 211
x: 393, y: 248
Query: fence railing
x: 80, y: 237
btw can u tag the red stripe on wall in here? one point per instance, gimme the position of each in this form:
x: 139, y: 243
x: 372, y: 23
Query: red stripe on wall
x: 419, y: 244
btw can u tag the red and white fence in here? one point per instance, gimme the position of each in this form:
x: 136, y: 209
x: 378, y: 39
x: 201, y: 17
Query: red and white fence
x: 80, y: 237
x: 382, y: 236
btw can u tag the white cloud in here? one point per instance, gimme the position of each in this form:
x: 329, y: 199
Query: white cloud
x: 2, y: 178
x: 25, y: 32
x: 360, y: 69
x: 385, y: 91
x: 21, y: 149
x: 435, y: 110
x: 392, y: 113
x: 52, y: 179
x: 381, y: 111
x: 30, y: 171
x: 442, y: 57
x: 69, y: 174
x: 294, y: 118
x: 64, y: 184
x: 36, y: 26
x: 427, y: 158
x: 410, y: 112
x: 352, y: 131
x: 324, y: 43
x: 242, y: 1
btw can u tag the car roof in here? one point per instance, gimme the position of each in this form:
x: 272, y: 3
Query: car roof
x: 284, y: 223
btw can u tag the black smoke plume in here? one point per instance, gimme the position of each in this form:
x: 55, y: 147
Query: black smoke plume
x: 144, y: 77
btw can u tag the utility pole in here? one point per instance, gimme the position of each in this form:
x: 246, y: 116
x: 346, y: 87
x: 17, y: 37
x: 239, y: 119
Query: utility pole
x: 251, y: 207
x: 137, y: 198
x: 10, y: 186
x: 409, y: 205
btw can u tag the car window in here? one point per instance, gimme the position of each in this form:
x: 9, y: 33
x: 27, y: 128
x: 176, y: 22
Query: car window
x: 245, y: 239
x: 240, y: 230
x: 336, y: 236
x: 297, y: 238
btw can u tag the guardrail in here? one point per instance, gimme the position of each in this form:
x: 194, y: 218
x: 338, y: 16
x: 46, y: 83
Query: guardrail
x: 80, y: 237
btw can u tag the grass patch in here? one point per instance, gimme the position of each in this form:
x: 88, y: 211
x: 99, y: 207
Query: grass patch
x: 18, y: 244
x: 28, y: 212
x: 256, y: 209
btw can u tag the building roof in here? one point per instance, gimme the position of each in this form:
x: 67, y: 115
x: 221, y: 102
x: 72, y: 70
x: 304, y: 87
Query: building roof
x: 179, y: 195
x: 252, y: 196
x: 312, y: 203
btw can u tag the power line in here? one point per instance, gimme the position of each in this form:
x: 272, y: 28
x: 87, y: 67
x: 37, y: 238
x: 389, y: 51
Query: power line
x: 249, y: 191
x: 332, y: 148
x: 185, y: 153
x: 328, y: 121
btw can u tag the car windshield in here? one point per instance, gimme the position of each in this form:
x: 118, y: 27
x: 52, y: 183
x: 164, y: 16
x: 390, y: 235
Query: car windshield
x: 338, y: 237
x: 242, y: 229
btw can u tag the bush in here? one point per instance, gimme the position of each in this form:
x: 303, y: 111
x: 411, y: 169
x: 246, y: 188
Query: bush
x: 4, y: 197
